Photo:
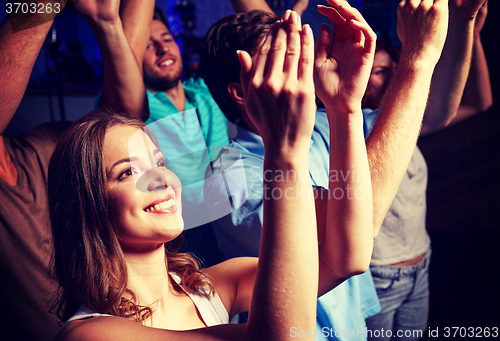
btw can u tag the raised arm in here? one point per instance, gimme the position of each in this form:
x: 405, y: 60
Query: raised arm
x: 136, y: 16
x: 422, y: 27
x: 279, y: 94
x: 279, y: 97
x: 123, y: 88
x: 342, y: 68
x: 21, y: 38
x: 452, y: 70
x: 477, y: 95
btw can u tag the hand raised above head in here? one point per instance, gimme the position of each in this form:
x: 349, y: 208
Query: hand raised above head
x: 422, y: 27
x: 278, y: 85
x: 468, y: 8
x: 97, y: 10
x: 344, y: 58
x: 480, y: 19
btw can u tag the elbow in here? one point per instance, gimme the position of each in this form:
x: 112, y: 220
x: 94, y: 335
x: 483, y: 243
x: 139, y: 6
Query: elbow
x: 440, y: 125
x: 486, y: 105
x: 355, y: 268
x: 359, y: 270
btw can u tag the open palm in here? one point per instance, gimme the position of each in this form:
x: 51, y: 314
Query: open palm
x: 342, y: 70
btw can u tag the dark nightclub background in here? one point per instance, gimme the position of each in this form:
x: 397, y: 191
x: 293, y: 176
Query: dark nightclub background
x: 464, y: 161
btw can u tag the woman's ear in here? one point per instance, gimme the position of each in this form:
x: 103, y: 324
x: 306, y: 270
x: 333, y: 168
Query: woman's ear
x: 236, y: 92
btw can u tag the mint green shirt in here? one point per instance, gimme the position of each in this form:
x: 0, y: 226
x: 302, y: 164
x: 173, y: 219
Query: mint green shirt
x: 213, y: 123
x: 189, y: 140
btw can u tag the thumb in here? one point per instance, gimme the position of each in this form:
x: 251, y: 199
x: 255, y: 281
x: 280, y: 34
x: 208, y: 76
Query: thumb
x: 323, y: 44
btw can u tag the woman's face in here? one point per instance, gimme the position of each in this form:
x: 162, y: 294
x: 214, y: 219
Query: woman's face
x: 382, y: 72
x: 145, y: 196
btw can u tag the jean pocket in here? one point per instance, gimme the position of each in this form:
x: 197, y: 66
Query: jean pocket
x: 383, y: 285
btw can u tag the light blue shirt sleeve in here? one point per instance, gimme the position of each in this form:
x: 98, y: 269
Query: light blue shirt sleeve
x: 237, y: 191
x: 369, y: 118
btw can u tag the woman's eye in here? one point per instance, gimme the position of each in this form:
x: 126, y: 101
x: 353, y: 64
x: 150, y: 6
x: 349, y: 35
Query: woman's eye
x: 161, y: 163
x: 126, y: 173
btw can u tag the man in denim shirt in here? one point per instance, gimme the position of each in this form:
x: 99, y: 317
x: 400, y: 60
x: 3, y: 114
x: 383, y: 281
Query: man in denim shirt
x: 237, y: 189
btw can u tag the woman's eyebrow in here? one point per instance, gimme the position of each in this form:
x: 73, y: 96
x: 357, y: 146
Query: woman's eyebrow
x: 127, y: 159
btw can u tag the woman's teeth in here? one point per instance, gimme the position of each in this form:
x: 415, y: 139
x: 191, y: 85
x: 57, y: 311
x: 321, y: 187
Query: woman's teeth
x: 161, y: 206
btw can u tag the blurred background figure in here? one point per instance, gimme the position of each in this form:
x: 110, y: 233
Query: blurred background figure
x: 401, y: 257
x: 76, y: 69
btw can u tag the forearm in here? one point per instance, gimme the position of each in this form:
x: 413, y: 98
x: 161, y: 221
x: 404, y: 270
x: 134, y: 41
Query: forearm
x: 477, y: 94
x: 244, y: 6
x: 21, y: 38
x: 288, y: 253
x: 136, y: 16
x: 450, y: 75
x: 393, y: 138
x: 123, y: 88
x: 347, y: 248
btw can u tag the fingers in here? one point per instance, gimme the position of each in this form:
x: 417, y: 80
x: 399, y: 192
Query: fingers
x: 364, y: 35
x: 262, y: 56
x: 293, y: 50
x: 306, y: 64
x: 348, y: 24
x: 323, y: 43
x: 278, y: 50
x: 338, y: 22
x: 354, y: 35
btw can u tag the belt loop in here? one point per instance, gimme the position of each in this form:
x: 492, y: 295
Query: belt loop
x: 426, y: 260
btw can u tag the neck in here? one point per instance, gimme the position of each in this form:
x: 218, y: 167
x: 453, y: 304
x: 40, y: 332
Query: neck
x: 8, y: 170
x: 248, y: 124
x: 177, y: 96
x: 147, y: 276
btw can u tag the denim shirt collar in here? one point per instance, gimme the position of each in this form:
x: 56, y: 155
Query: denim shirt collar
x: 250, y: 141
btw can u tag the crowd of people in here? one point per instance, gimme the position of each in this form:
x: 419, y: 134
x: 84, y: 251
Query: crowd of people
x: 320, y: 213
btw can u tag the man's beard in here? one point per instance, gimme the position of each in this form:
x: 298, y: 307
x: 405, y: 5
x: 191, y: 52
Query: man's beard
x: 156, y: 83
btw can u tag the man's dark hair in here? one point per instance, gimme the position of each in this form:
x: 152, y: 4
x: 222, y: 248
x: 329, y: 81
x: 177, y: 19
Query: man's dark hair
x: 219, y: 64
x: 158, y: 15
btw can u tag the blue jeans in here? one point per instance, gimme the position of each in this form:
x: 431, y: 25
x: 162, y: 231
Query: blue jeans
x: 404, y: 297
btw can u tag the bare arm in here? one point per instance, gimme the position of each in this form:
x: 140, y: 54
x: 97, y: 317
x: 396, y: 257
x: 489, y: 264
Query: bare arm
x: 279, y: 98
x: 450, y: 75
x: 123, y: 88
x: 21, y: 38
x: 422, y: 28
x: 136, y: 16
x: 300, y: 6
x: 281, y: 102
x: 342, y: 71
x: 477, y: 94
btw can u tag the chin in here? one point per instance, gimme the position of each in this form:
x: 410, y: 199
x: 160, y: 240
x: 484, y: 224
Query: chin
x: 161, y: 83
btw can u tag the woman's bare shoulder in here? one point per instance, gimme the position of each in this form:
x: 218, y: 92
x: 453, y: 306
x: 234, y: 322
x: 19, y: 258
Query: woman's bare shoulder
x: 101, y: 328
x: 233, y: 280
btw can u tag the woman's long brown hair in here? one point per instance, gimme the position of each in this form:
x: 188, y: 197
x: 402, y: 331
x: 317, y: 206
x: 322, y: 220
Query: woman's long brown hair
x: 88, y: 260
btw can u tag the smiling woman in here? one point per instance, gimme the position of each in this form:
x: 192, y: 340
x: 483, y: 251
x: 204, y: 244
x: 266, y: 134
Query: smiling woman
x: 115, y: 206
x: 122, y: 200
x: 144, y: 194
